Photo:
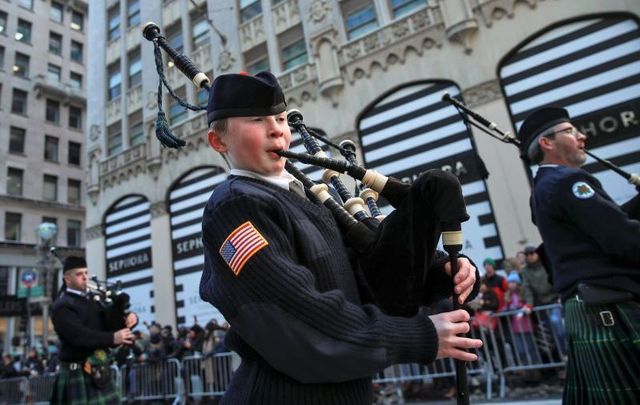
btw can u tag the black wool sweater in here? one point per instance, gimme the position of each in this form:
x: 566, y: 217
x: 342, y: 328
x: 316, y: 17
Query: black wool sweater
x: 296, y: 319
x: 81, y: 326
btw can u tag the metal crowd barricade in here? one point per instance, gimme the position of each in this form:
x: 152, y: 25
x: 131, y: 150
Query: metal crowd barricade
x: 207, y: 376
x: 41, y: 388
x: 14, y: 390
x: 161, y: 380
x: 522, y: 342
x: 442, y: 368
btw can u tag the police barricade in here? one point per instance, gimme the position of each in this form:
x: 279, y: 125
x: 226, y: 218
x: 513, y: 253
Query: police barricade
x: 41, y: 387
x: 520, y: 341
x: 442, y: 368
x: 158, y: 380
x: 14, y: 390
x: 207, y: 376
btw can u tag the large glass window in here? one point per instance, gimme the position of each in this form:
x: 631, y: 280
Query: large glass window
x: 52, y: 113
x: 294, y: 54
x: 57, y: 12
x: 404, y: 7
x: 75, y: 80
x: 136, y: 129
x: 74, y: 153
x: 133, y: 13
x: 23, y: 33
x: 14, y: 181
x: 361, y: 21
x: 50, y: 148
x: 3, y: 23
x: 21, y: 67
x: 258, y: 66
x: 16, y: 140
x: 50, y: 187
x: 54, y: 72
x: 19, y: 102
x: 115, y: 79
x: 250, y: 9
x: 114, y: 139
x: 76, y: 51
x: 174, y: 37
x: 73, y: 191
x: 75, y: 117
x: 74, y: 228
x: 28, y: 4
x: 77, y: 20
x: 135, y: 69
x: 12, y: 226
x: 200, y: 32
x: 55, y: 43
x: 177, y: 112
x: 113, y: 18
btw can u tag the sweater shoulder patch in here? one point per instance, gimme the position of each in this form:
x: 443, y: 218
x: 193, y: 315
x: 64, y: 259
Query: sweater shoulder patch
x: 582, y: 190
x: 240, y: 246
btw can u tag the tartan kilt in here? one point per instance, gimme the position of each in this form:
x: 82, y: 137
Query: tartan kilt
x: 604, y: 361
x: 75, y: 387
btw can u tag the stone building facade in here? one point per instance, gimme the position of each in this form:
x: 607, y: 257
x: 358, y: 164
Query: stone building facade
x: 372, y: 71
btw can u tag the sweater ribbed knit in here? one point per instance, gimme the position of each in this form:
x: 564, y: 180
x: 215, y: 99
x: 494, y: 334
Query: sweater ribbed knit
x: 296, y: 319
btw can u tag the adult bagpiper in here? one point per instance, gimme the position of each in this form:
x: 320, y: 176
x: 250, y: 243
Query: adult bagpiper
x: 85, y: 336
x: 593, y: 248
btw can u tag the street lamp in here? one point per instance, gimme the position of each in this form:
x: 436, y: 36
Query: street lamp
x: 47, y: 232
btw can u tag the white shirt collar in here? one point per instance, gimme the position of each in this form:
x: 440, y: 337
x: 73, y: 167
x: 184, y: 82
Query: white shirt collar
x: 549, y: 165
x: 281, y: 180
x: 77, y: 292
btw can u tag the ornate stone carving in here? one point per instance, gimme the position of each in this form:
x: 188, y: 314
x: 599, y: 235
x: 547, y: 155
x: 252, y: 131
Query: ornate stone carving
x: 225, y: 60
x: 158, y: 208
x: 94, y: 132
x: 318, y: 11
x: 94, y: 232
x: 482, y: 93
x: 152, y: 100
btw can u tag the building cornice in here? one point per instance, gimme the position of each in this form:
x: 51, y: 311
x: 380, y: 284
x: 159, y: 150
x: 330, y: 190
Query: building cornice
x: 41, y: 204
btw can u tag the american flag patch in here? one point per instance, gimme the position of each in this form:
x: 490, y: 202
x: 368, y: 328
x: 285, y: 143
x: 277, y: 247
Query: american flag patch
x: 244, y: 242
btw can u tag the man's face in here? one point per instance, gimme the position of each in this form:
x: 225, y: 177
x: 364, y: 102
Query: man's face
x: 250, y: 143
x: 532, y: 257
x: 567, y: 145
x: 77, y: 278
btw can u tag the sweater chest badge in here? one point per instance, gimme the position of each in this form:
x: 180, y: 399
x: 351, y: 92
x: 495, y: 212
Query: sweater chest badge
x: 582, y: 190
x: 240, y: 246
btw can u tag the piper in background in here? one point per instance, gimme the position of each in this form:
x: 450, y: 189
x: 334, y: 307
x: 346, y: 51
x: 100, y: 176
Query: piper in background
x: 85, y: 336
x: 593, y: 248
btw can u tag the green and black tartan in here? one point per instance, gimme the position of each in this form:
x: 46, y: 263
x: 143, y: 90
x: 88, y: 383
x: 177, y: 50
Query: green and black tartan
x: 604, y: 361
x: 74, y: 387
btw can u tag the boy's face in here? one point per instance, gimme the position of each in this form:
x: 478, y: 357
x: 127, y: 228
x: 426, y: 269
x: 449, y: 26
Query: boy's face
x: 250, y: 142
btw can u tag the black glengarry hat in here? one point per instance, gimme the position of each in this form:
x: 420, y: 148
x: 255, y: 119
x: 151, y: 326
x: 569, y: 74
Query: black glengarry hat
x: 536, y: 124
x: 74, y: 262
x: 242, y: 95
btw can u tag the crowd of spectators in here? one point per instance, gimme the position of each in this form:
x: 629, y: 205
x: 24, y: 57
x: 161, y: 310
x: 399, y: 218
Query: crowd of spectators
x: 153, y: 342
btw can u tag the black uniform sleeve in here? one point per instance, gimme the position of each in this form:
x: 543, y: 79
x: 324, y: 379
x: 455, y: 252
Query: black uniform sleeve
x: 273, y: 304
x: 67, y: 324
x: 608, y: 225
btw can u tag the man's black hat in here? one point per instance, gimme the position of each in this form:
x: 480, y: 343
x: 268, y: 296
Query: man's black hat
x: 74, y: 262
x: 536, y: 124
x: 242, y: 95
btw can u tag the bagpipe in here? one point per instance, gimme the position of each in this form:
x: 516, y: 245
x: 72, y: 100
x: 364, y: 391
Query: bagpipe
x: 109, y: 296
x: 394, y: 253
x: 631, y: 207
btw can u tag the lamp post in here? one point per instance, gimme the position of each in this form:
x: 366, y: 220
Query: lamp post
x: 47, y: 232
